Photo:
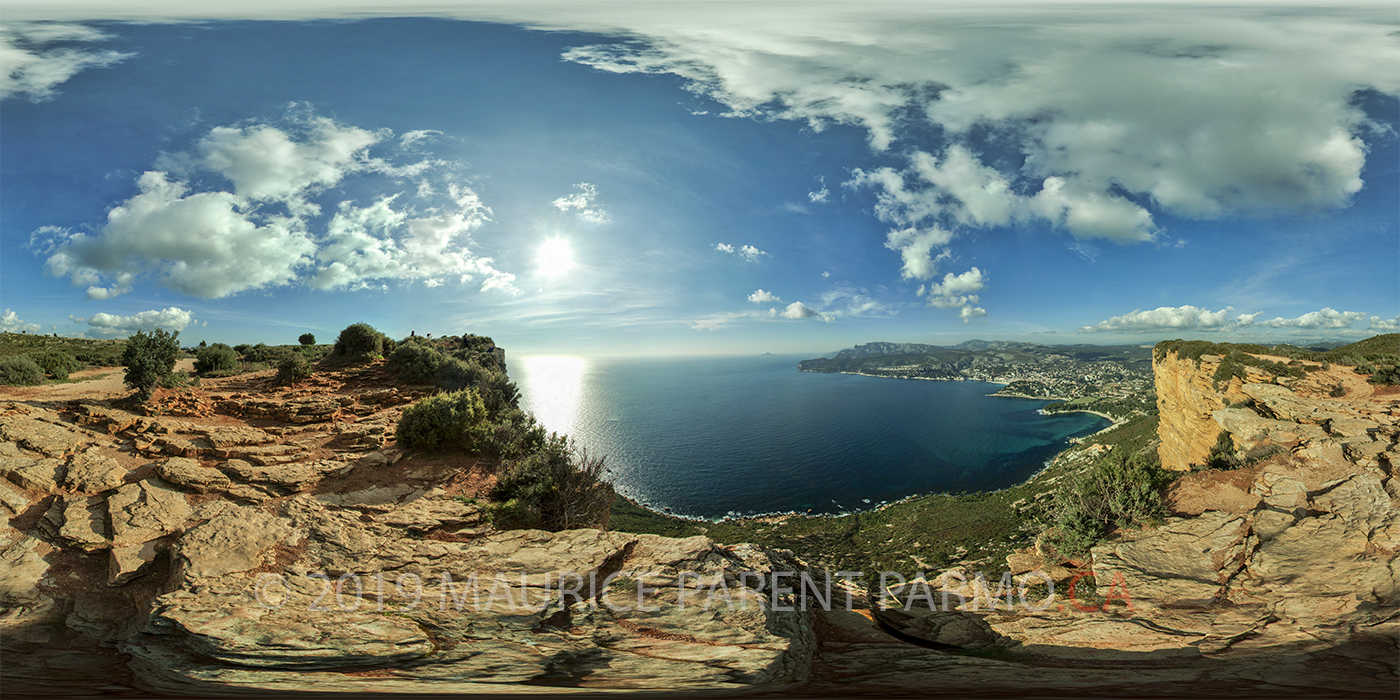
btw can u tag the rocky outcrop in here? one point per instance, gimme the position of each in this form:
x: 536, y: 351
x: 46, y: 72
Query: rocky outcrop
x: 349, y: 567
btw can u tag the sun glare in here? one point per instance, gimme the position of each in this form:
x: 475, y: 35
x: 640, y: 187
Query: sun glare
x: 555, y: 258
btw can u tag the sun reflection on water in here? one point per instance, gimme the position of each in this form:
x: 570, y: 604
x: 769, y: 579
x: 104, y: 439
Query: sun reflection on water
x: 553, y: 389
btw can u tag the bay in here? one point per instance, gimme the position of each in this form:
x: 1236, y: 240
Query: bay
x: 715, y: 437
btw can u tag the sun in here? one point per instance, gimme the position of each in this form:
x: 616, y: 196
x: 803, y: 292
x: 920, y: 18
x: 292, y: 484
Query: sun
x: 554, y: 257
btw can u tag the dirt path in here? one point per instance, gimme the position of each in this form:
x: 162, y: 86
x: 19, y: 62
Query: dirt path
x: 107, y: 384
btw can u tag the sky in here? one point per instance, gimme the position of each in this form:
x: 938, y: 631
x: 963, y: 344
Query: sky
x: 701, y: 177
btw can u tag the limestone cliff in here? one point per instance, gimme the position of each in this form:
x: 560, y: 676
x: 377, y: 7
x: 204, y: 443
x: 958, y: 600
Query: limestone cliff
x: 1187, y: 396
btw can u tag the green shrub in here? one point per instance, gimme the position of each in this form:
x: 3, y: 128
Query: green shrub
x: 516, y: 434
x: 294, y: 367
x: 306, y: 339
x: 417, y: 361
x: 215, y: 358
x: 447, y: 421
x: 557, y: 488
x: 55, y: 363
x: 1118, y: 490
x: 1386, y: 375
x: 242, y: 349
x: 497, y: 391
x: 359, y: 342
x: 148, y: 359
x: 20, y: 370
x: 1222, y: 454
x: 175, y: 380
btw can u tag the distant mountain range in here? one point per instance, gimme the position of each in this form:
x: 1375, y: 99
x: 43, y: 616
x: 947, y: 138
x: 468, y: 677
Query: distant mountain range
x: 970, y: 355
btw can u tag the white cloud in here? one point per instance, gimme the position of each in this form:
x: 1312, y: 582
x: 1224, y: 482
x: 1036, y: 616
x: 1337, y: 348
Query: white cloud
x: 747, y: 252
x: 915, y: 248
x: 204, y: 244
x: 958, y: 292
x: 848, y: 301
x: 1168, y: 318
x: 171, y: 319
x: 825, y: 274
x: 31, y: 66
x: 761, y: 296
x: 212, y: 244
x: 970, y: 312
x: 798, y: 310
x: 1385, y: 325
x: 10, y: 323
x: 715, y: 322
x: 820, y: 196
x: 582, y: 203
x: 1100, y: 118
x: 1325, y: 318
x: 265, y: 163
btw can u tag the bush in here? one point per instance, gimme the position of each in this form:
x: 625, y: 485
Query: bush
x: 294, y: 367
x: 20, y: 370
x: 417, y: 361
x: 215, y: 358
x: 516, y: 434
x: 149, y: 359
x: 1117, y: 491
x: 175, y: 380
x: 55, y: 363
x: 306, y: 339
x: 1386, y: 375
x: 359, y: 342
x: 452, y: 420
x: 557, y: 488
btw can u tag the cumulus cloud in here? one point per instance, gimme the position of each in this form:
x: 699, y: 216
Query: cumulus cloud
x: 10, y: 323
x: 761, y: 296
x: 582, y: 203
x: 1168, y: 318
x: 958, y: 292
x: 799, y: 310
x: 1385, y: 325
x: 172, y: 319
x: 915, y: 248
x: 35, y: 58
x: 746, y: 252
x: 1096, y: 121
x: 1326, y: 318
x: 262, y: 234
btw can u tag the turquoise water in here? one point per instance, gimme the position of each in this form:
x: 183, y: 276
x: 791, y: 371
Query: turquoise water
x: 748, y: 435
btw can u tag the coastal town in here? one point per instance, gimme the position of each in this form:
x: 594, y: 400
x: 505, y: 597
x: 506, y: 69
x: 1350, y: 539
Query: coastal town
x: 1117, y: 386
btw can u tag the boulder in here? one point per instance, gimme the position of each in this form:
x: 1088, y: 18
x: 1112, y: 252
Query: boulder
x: 190, y: 475
x: 33, y: 474
x: 84, y: 523
x: 145, y: 510
x: 91, y: 472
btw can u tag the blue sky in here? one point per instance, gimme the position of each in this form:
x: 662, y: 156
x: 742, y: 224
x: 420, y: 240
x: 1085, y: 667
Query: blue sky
x: 701, y: 177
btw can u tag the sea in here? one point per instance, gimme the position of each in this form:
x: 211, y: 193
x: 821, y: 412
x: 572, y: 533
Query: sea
x: 717, y: 437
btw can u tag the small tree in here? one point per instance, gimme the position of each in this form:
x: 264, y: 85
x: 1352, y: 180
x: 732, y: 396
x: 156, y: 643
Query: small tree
x: 149, y: 358
x: 215, y: 358
x: 359, y: 342
x: 294, y: 367
x: 307, y: 339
